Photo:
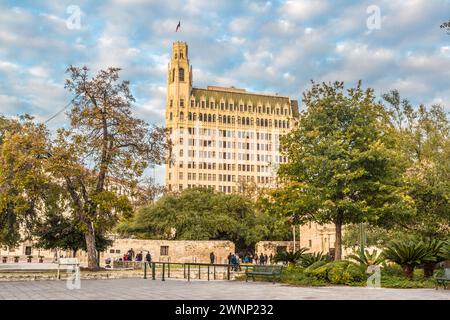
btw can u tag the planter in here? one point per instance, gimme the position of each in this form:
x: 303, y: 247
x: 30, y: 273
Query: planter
x: 41, y: 259
x: 4, y: 259
x: 16, y: 259
x: 29, y: 259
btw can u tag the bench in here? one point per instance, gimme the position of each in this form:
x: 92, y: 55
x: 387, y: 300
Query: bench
x: 265, y: 271
x: 442, y: 280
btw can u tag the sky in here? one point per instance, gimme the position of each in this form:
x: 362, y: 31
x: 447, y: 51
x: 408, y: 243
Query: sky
x: 262, y: 46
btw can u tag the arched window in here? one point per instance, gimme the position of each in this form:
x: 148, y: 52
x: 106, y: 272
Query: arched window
x: 181, y: 116
x: 257, y: 121
x: 194, y: 116
x: 181, y: 74
x: 220, y: 118
x: 239, y: 120
x: 173, y: 75
x: 232, y: 119
x: 170, y: 116
x: 228, y: 119
x: 209, y: 118
x: 205, y: 117
x: 190, y: 116
x: 200, y: 117
x: 265, y: 123
x: 214, y: 118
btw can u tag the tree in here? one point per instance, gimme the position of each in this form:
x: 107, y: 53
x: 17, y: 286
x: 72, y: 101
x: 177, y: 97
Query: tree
x: 200, y: 214
x: 104, y: 145
x: 56, y: 231
x: 25, y: 188
x: 343, y: 159
x: 423, y: 135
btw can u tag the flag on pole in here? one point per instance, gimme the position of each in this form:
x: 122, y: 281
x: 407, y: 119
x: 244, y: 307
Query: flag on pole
x: 178, y: 26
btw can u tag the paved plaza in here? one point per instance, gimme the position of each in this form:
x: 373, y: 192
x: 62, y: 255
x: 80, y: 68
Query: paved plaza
x: 125, y: 289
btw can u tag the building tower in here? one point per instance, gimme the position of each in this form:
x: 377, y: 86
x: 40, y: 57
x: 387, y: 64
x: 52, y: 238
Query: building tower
x: 222, y: 138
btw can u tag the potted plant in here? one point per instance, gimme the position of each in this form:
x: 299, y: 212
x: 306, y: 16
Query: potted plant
x: 16, y: 259
x: 29, y: 258
x: 5, y: 259
x: 41, y: 259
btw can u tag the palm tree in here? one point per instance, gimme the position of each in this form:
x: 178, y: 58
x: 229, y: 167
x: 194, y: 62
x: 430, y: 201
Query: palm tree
x: 308, y: 259
x: 367, y: 259
x: 289, y: 257
x: 435, y: 247
x: 408, y: 254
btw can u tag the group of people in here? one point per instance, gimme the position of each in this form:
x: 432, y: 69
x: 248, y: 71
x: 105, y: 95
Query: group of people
x: 235, y: 260
x: 130, y: 256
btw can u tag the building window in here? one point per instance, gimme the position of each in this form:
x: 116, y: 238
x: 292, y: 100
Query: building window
x: 181, y: 102
x: 181, y: 74
x: 28, y: 251
x: 164, y: 250
x: 310, y: 243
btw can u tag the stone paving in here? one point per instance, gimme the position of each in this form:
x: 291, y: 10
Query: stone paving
x: 126, y: 289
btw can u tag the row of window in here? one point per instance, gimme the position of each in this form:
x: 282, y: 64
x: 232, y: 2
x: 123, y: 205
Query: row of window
x: 228, y: 133
x: 192, y: 176
x: 227, y: 144
x: 230, y: 156
x: 228, y: 106
x: 245, y: 121
x: 224, y: 166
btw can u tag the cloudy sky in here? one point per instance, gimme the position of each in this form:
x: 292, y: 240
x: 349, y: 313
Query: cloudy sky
x: 263, y: 46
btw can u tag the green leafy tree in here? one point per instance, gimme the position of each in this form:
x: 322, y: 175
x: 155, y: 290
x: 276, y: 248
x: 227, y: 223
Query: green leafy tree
x: 105, y: 144
x: 423, y: 135
x: 343, y: 160
x: 25, y: 188
x: 201, y: 214
x: 59, y: 232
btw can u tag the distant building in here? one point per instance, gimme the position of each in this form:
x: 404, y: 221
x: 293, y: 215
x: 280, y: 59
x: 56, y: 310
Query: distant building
x: 222, y: 137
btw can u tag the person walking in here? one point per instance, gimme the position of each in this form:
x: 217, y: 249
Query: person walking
x: 229, y: 258
x: 255, y: 258
x: 261, y: 259
x: 266, y: 259
x: 233, y: 262
x: 212, y: 257
x: 148, y: 257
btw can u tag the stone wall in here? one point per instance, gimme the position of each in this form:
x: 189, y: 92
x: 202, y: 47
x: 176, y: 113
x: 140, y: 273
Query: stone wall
x: 169, y: 250
x: 177, y: 251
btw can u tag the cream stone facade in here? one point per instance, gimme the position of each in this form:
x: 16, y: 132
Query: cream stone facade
x: 222, y: 137
x: 161, y: 250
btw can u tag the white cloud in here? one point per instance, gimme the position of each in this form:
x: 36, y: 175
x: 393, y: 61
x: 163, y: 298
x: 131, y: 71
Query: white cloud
x: 303, y: 9
x: 38, y: 71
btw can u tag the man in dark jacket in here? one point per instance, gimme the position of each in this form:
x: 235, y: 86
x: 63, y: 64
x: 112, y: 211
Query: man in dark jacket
x: 212, y: 257
x: 148, y: 257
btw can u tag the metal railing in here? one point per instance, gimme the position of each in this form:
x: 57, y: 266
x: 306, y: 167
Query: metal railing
x: 211, y: 269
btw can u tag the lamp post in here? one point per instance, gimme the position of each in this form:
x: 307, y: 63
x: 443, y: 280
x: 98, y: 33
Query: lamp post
x: 362, y: 237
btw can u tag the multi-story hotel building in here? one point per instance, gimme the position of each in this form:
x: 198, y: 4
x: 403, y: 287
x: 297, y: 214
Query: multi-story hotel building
x: 222, y: 137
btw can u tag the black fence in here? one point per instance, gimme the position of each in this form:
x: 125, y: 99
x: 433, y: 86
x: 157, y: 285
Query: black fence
x: 209, y: 270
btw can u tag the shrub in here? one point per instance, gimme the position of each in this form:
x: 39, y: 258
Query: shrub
x: 289, y: 257
x: 408, y: 254
x: 336, y: 272
x: 308, y: 259
x: 367, y: 259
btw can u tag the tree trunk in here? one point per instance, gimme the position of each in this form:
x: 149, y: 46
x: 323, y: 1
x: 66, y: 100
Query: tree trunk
x: 338, y: 235
x: 74, y: 254
x: 409, y: 271
x: 90, y: 246
x: 428, y: 269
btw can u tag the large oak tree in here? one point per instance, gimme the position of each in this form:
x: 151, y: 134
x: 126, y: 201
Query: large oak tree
x: 105, y: 145
x: 343, y: 163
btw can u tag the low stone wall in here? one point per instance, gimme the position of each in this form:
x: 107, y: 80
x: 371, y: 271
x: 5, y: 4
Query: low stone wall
x: 169, y: 250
